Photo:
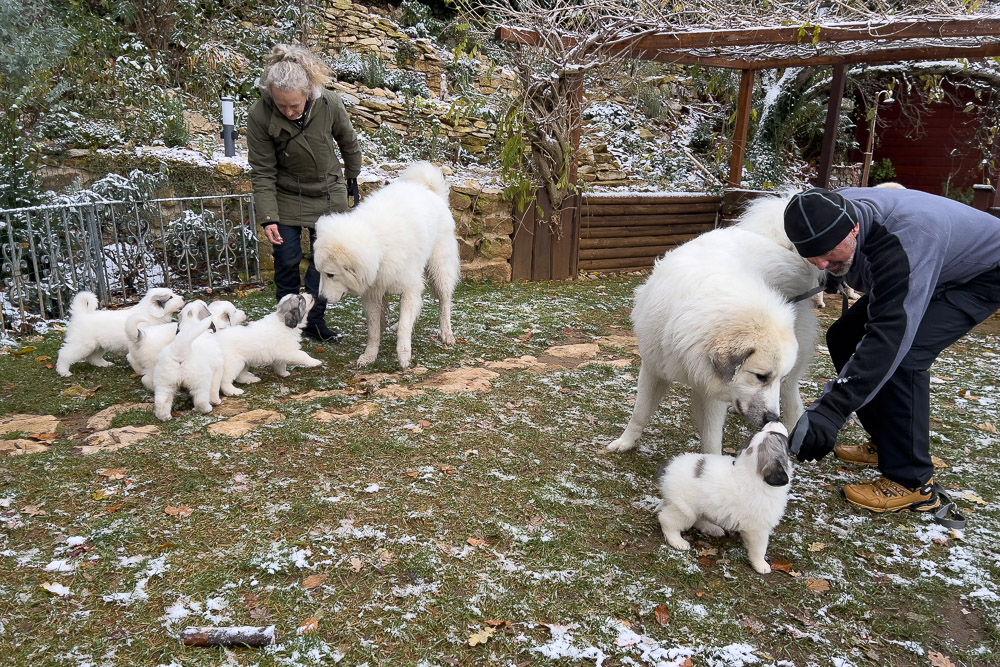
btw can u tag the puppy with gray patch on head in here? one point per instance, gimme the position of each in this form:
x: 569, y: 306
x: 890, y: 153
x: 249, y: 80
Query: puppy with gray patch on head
x: 91, y: 332
x: 717, y: 493
x: 274, y: 340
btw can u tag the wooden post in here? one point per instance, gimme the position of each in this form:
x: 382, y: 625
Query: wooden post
x: 832, y: 125
x: 742, y: 127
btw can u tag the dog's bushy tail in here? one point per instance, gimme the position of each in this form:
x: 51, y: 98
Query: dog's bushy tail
x: 84, y: 302
x: 427, y: 174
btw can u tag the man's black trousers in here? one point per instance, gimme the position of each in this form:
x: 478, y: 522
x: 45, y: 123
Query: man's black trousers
x: 898, y: 416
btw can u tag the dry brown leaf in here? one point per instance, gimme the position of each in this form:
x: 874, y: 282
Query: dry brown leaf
x: 114, y: 508
x: 181, y: 510
x: 781, y: 566
x: 497, y: 622
x: 816, y: 546
x: 699, y: 594
x: 356, y: 564
x: 968, y: 395
x: 413, y: 473
x: 308, y: 626
x: 939, y: 660
x: 424, y: 423
x: 447, y: 468
x: 313, y: 581
x: 480, y: 637
x: 972, y: 497
x: 49, y: 437
x: 662, y: 614
x: 34, y: 510
x: 938, y: 463
x: 708, y: 551
x: 112, y: 473
x: 987, y: 426
x: 687, y: 663
x: 476, y: 541
x: 818, y: 585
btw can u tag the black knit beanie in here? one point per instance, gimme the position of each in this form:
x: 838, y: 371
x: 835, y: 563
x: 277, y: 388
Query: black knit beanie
x: 817, y: 220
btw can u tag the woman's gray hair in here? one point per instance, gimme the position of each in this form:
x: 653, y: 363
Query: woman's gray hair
x: 293, y: 67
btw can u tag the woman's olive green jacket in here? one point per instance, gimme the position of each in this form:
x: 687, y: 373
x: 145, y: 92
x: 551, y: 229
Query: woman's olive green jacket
x: 290, y: 168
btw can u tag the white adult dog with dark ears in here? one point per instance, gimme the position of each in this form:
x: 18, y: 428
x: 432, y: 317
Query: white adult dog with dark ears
x: 716, y: 493
x: 92, y: 332
x: 386, y: 245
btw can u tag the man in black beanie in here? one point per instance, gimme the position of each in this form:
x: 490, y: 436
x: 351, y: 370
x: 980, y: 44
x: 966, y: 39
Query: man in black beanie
x: 929, y: 268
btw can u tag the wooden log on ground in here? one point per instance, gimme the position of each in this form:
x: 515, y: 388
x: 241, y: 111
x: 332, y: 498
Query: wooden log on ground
x: 590, y: 220
x: 651, y: 230
x: 235, y: 635
x: 647, y: 209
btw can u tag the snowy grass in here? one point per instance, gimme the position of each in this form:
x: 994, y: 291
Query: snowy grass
x: 445, y: 519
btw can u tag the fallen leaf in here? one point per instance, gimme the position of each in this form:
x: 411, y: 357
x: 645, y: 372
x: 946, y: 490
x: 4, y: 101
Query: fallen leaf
x: 816, y: 546
x: 413, y: 473
x: 114, y: 508
x: 781, y: 566
x: 112, y: 473
x: 313, y: 580
x: 101, y: 494
x: 57, y: 589
x: 662, y: 614
x: 968, y: 395
x: 423, y: 422
x: 24, y: 350
x: 939, y: 660
x: 705, y: 561
x: 972, y: 497
x: 752, y: 624
x: 987, y: 426
x: 938, y: 463
x: 356, y: 564
x: 34, y: 510
x: 178, y: 511
x: 447, y: 468
x: 699, y: 594
x: 708, y: 551
x: 528, y: 333
x: 818, y: 585
x: 687, y: 663
x: 308, y: 626
x: 497, y: 622
x: 476, y: 541
x: 480, y: 637
x: 44, y: 437
x: 43, y: 358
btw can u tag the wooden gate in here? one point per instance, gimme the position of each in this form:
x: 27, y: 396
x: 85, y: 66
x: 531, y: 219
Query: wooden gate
x: 543, y: 250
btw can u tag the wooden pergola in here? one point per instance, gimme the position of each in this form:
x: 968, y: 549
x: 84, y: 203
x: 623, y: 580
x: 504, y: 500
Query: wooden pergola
x: 836, y: 45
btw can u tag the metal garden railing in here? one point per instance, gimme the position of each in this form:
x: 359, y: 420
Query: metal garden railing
x: 119, y: 250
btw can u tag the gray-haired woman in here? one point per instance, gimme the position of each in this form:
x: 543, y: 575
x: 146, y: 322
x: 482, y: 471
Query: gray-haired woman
x: 295, y: 170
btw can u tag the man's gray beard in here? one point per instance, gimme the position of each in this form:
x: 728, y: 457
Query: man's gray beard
x: 842, y: 271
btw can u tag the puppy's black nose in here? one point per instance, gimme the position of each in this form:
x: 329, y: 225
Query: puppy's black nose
x: 776, y: 477
x: 769, y: 417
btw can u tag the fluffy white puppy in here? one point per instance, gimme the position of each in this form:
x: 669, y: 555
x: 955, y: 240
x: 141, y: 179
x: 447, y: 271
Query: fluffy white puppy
x: 386, y: 245
x: 146, y: 337
x: 716, y: 315
x: 192, y: 361
x: 91, y: 332
x: 715, y: 493
x: 273, y: 340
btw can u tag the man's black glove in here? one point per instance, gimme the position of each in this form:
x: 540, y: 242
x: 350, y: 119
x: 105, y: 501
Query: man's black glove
x: 352, y: 191
x: 815, y: 435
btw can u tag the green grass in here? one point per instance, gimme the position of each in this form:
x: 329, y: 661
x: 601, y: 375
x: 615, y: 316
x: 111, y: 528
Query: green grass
x: 441, y: 512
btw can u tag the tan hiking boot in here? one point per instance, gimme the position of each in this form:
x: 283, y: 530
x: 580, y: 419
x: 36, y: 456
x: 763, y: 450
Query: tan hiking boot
x: 865, y: 454
x: 884, y: 495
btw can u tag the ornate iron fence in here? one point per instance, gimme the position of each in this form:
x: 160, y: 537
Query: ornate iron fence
x: 119, y: 250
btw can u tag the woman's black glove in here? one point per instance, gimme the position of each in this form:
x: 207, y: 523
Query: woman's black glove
x: 352, y: 191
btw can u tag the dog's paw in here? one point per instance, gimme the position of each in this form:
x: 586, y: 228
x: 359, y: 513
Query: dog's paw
x: 710, y: 529
x: 313, y: 362
x: 247, y: 378
x: 762, y: 567
x: 620, y: 445
x: 448, y: 338
x: 678, y: 542
x: 365, y: 360
x: 232, y: 391
x: 100, y: 363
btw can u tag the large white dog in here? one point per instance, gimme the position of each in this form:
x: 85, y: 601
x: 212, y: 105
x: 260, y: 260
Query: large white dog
x: 385, y: 246
x: 716, y: 315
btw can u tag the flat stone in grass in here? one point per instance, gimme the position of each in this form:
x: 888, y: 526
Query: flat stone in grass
x: 628, y: 343
x: 244, y: 423
x: 325, y: 393
x: 22, y: 446
x: 578, y: 351
x: 461, y: 380
x: 29, y: 423
x: 363, y: 409
x: 103, y: 419
x: 522, y: 363
x: 114, y: 439
x: 398, y: 392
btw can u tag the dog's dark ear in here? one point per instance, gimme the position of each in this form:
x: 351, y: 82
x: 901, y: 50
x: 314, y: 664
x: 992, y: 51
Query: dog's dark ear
x: 161, y: 302
x: 772, y: 459
x: 727, y: 362
x: 204, y: 313
x: 290, y: 311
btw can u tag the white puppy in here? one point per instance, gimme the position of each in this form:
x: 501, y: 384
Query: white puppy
x: 146, y: 337
x: 386, y: 245
x: 716, y: 493
x: 92, y: 332
x: 192, y: 361
x: 273, y: 340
